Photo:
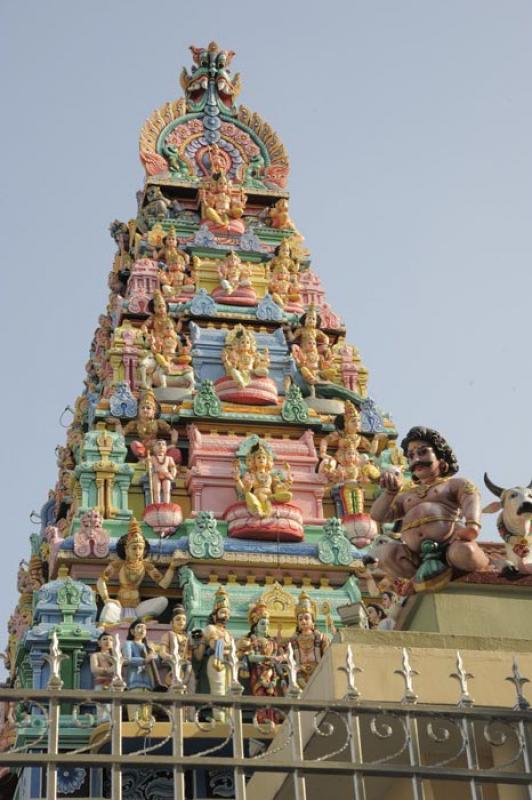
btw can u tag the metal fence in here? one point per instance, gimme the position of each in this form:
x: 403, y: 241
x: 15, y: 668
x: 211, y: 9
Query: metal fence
x: 348, y: 740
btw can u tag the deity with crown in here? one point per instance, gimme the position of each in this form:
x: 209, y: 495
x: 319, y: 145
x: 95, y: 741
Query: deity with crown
x: 308, y: 643
x: 176, y: 279
x: 235, y: 286
x: 311, y: 351
x: 222, y: 202
x: 266, y: 511
x: 218, y: 642
x: 147, y: 427
x: 283, y: 285
x: 168, y: 362
x: 349, y: 473
x: 130, y: 569
x: 262, y: 659
x: 247, y: 369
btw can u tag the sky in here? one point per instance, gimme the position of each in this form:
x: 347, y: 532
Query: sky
x: 409, y: 126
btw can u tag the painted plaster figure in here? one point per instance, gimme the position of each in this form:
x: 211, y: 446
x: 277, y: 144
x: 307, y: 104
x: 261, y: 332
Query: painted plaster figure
x: 176, y: 279
x: 279, y: 217
x: 241, y: 359
x: 433, y: 539
x: 262, y: 658
x: 163, y: 472
x: 260, y: 486
x: 149, y: 428
x: 222, y: 204
x: 130, y: 570
x: 218, y: 641
x: 284, y: 278
x: 187, y: 647
x: 308, y: 643
x: 514, y: 524
x: 102, y: 669
x: 140, y: 659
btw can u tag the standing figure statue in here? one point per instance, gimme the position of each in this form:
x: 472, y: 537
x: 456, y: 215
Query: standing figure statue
x: 131, y: 567
x: 141, y: 668
x: 162, y: 472
x: 261, y: 658
x: 308, y: 643
x: 434, y: 540
x: 102, y: 669
x: 186, y: 647
x: 218, y: 641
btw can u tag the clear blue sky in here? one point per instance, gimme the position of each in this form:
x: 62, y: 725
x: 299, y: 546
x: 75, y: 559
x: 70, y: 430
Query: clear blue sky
x: 409, y: 129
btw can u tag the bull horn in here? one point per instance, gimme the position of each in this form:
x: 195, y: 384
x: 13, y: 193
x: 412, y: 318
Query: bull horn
x: 529, y: 485
x: 492, y: 486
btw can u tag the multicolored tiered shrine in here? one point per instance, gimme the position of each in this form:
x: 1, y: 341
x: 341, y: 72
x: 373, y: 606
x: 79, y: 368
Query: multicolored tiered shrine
x: 223, y: 408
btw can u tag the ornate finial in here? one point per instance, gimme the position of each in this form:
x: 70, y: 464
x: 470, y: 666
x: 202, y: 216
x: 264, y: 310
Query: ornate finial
x: 351, y: 670
x: 519, y: 681
x: 462, y: 677
x: 209, y: 87
x: 407, y: 673
x: 54, y: 659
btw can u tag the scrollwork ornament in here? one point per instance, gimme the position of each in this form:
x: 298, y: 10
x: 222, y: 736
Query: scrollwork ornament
x: 325, y: 728
x: 206, y: 403
x: 294, y: 408
x: 205, y: 540
x: 496, y: 736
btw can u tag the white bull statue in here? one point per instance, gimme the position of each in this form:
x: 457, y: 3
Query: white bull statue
x: 514, y: 524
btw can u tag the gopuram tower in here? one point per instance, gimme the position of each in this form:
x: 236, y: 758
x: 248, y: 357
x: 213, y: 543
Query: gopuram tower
x: 209, y: 531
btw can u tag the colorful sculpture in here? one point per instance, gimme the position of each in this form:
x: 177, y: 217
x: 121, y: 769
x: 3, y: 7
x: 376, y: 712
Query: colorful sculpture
x: 149, y: 428
x: 247, y: 370
x: 267, y: 512
x: 236, y: 287
x: 222, y: 203
x: 176, y: 280
x: 218, y: 641
x: 130, y: 570
x: 187, y: 648
x: 168, y: 360
x: 514, y: 524
x: 433, y: 540
x: 278, y: 216
x: 283, y: 283
x: 311, y: 350
x: 91, y: 539
x: 161, y: 514
x: 308, y: 643
x: 262, y: 660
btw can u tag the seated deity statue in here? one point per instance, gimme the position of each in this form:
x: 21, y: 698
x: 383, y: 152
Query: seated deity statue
x: 168, y: 359
x: 246, y: 370
x: 130, y: 570
x: 222, y: 204
x: 235, y: 282
x: 279, y: 217
x: 259, y: 485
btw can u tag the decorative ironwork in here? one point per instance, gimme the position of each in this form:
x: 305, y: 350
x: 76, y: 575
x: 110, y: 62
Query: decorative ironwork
x: 519, y: 681
x: 407, y: 674
x: 462, y: 676
x: 351, y: 670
